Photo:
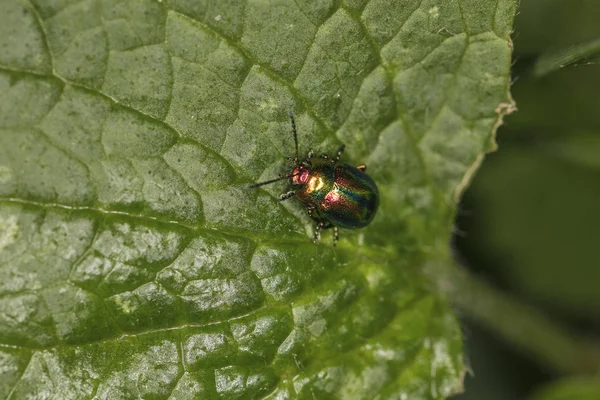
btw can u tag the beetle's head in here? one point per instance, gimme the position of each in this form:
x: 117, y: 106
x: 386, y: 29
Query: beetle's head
x: 299, y: 175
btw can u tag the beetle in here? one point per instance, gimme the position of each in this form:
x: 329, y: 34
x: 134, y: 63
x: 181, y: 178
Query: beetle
x: 335, y: 194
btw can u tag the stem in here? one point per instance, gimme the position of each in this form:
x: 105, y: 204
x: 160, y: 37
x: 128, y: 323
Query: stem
x: 519, y: 324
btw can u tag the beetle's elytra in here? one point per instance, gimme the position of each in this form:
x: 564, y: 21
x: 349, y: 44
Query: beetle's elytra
x: 335, y: 194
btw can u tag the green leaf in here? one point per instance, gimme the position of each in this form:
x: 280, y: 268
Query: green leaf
x: 585, y: 53
x: 134, y: 261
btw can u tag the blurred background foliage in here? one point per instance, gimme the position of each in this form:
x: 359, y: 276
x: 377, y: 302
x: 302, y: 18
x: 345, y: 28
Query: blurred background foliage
x: 530, y: 222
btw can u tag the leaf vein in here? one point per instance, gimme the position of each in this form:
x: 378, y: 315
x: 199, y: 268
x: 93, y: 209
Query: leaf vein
x: 12, y: 391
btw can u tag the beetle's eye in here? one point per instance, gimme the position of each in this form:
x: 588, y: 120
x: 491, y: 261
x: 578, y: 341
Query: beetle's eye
x: 300, y: 176
x: 303, y: 177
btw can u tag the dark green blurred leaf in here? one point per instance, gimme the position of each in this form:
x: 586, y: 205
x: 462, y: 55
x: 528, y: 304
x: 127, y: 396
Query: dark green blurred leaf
x: 541, y: 218
x: 570, y: 389
x: 578, y: 54
x: 557, y: 104
x: 543, y: 25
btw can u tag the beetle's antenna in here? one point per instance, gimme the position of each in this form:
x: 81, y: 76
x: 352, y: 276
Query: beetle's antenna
x: 297, y: 159
x: 272, y: 181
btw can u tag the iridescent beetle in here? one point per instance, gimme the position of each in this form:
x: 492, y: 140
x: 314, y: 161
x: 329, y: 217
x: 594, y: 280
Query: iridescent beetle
x: 336, y: 195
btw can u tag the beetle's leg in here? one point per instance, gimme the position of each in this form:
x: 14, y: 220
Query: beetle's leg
x: 314, y: 215
x: 362, y: 167
x: 320, y: 225
x: 324, y: 224
x: 339, y: 152
x: 317, y: 234
x: 286, y: 196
